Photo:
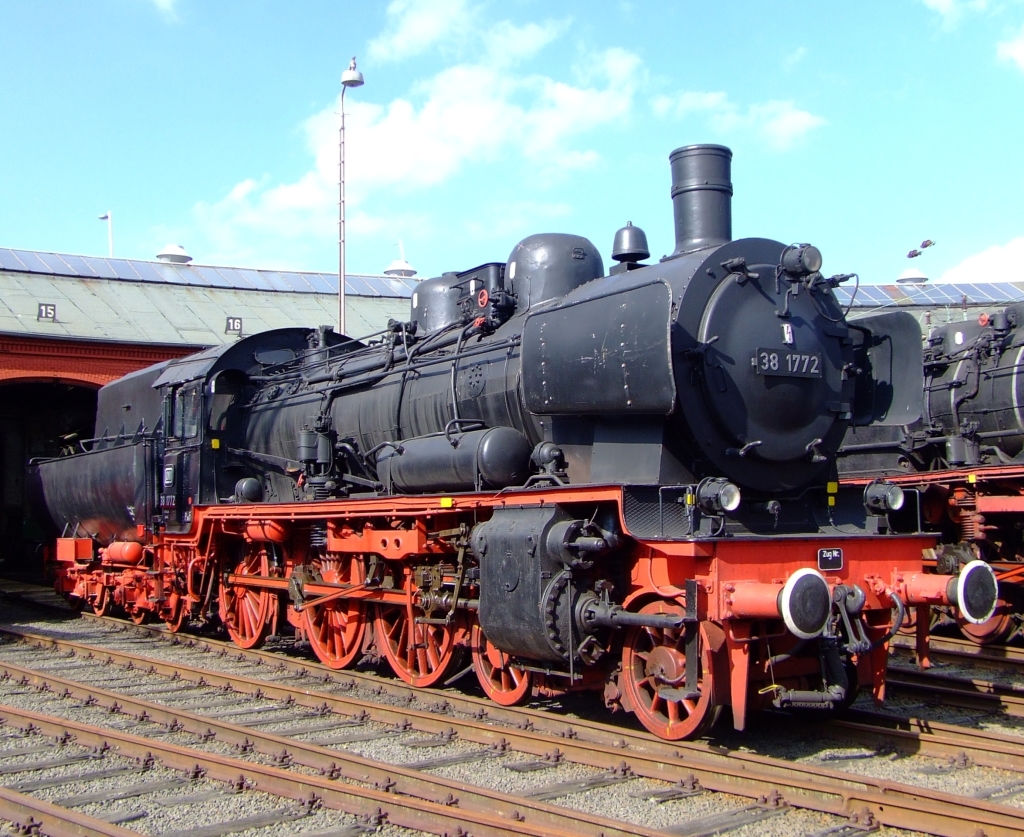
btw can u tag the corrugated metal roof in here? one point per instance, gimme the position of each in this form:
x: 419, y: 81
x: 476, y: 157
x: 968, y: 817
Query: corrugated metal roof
x: 933, y: 304
x: 140, y: 311
x: 136, y: 301
x: 243, y: 279
x: 931, y: 295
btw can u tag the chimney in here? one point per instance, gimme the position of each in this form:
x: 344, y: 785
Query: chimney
x: 701, y: 197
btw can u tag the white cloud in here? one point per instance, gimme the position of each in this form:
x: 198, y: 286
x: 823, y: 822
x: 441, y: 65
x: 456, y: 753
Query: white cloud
x: 1013, y: 49
x: 997, y: 263
x: 167, y: 7
x: 690, y: 102
x: 414, y: 26
x: 794, y: 58
x: 467, y: 114
x: 506, y: 44
x: 780, y: 124
x: 951, y: 11
x: 510, y: 217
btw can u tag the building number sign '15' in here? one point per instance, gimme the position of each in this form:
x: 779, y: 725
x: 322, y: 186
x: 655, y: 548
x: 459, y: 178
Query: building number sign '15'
x: 787, y: 364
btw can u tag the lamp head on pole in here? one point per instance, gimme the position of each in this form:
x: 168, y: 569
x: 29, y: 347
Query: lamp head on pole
x: 352, y: 77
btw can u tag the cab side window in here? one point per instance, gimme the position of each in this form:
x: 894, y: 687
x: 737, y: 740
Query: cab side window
x: 187, y: 405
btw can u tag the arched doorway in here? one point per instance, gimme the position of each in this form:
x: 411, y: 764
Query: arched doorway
x: 37, y: 419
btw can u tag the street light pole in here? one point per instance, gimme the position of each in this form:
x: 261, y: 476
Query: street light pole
x: 108, y: 216
x: 350, y: 78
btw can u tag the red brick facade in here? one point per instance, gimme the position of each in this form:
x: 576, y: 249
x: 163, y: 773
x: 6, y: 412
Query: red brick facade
x: 79, y: 362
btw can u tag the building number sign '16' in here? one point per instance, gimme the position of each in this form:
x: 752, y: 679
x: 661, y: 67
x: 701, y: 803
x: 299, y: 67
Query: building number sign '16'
x: 787, y: 364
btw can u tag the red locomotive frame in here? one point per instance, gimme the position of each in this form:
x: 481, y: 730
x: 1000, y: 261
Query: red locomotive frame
x: 251, y: 565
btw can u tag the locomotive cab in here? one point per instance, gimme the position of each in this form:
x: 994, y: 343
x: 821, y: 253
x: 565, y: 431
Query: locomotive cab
x: 179, y: 487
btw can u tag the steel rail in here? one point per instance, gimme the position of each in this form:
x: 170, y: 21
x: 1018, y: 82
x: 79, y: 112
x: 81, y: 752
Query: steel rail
x: 932, y: 738
x: 959, y: 691
x: 338, y: 764
x: 744, y: 774
x: 371, y: 803
x: 954, y: 649
x: 33, y: 816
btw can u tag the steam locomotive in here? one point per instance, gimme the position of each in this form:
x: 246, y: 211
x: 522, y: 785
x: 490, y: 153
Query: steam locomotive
x: 622, y: 481
x: 965, y: 456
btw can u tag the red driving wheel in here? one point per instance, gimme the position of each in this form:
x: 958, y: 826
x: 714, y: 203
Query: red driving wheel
x: 503, y: 682
x: 245, y: 611
x: 336, y: 628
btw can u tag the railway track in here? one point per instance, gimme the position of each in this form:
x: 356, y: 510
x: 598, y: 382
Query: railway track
x: 480, y: 810
x: 954, y: 690
x: 952, y: 649
x: 961, y: 674
x: 766, y: 786
x: 909, y: 735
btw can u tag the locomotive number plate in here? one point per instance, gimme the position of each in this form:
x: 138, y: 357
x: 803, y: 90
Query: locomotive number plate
x: 830, y: 559
x: 787, y: 364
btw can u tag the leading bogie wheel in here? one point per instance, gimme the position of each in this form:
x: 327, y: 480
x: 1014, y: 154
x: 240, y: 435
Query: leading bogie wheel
x: 1003, y: 623
x: 246, y: 611
x: 502, y: 681
x: 140, y: 616
x: 654, y: 679
x: 179, y: 615
x: 336, y: 628
x: 103, y: 602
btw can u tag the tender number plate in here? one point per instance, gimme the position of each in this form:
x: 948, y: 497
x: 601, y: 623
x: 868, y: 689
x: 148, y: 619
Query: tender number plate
x: 788, y: 364
x: 830, y: 559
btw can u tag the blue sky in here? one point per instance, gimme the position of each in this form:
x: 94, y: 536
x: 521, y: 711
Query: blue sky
x: 863, y: 128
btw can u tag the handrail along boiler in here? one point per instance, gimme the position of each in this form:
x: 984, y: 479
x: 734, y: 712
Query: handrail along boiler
x: 619, y: 481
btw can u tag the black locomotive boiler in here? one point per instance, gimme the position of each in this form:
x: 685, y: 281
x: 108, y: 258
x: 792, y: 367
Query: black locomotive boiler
x: 622, y: 481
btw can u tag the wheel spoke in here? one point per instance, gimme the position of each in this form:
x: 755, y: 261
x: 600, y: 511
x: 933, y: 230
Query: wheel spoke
x: 423, y: 665
x: 248, y: 625
x: 251, y: 611
x: 431, y: 651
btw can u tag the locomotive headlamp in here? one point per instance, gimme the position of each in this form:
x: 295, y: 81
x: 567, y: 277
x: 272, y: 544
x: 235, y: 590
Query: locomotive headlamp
x: 718, y: 495
x: 881, y: 497
x: 801, y: 259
